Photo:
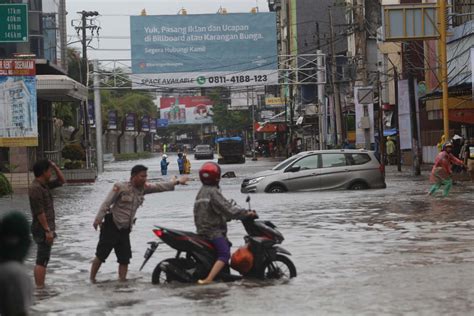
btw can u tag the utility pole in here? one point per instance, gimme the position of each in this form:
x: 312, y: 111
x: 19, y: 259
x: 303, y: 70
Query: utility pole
x: 84, y: 73
x: 322, y: 102
x: 336, y: 96
x: 98, y: 119
x: 443, y: 63
x: 397, y: 124
x: 361, y: 54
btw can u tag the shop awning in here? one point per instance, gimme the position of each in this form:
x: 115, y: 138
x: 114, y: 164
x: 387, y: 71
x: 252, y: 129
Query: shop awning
x: 57, y: 88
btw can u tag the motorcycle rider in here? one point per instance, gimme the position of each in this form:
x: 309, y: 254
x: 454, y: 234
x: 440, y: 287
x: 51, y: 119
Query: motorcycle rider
x: 212, y: 211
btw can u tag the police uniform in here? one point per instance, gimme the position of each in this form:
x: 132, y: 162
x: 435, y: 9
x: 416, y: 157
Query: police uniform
x: 117, y: 213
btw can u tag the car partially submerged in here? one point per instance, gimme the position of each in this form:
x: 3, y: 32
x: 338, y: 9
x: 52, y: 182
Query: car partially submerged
x: 203, y: 152
x: 320, y: 170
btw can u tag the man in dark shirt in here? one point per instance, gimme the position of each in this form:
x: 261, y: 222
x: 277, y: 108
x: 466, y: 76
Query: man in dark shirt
x: 43, y: 216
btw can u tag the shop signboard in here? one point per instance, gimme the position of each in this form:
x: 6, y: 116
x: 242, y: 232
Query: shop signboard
x: 18, y: 105
x: 204, y: 50
x: 186, y: 110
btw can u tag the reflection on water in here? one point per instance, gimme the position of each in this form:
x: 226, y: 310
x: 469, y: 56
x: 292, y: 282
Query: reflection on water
x: 393, y: 251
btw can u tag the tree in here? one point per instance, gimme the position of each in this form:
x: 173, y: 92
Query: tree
x: 226, y: 120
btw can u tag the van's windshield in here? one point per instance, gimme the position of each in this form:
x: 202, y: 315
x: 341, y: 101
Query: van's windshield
x: 287, y: 162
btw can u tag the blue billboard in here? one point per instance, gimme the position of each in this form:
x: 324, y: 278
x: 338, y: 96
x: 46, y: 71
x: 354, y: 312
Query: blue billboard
x: 204, y: 50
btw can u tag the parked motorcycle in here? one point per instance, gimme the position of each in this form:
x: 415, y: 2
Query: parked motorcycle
x: 195, y: 255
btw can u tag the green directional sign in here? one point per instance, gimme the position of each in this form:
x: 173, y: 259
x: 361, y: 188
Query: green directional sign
x: 13, y: 23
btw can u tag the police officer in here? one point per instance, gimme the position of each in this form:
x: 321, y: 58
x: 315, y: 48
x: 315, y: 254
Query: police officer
x: 116, y: 215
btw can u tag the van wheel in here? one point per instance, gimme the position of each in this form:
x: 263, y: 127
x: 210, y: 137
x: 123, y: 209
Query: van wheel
x: 359, y: 185
x: 276, y: 188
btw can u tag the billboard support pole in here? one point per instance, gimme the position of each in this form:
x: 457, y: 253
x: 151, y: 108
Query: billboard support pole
x: 254, y: 157
x: 98, y: 119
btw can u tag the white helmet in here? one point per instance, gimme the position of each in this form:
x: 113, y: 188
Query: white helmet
x: 165, y: 156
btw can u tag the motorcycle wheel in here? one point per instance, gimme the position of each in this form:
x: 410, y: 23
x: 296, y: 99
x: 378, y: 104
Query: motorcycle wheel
x: 280, y: 268
x: 159, y: 276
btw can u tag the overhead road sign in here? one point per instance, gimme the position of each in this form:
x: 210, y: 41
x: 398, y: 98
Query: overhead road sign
x: 13, y: 23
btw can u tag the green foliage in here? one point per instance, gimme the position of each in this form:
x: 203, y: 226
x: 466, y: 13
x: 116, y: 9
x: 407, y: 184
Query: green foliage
x: 226, y: 120
x: 132, y: 156
x: 5, y: 186
x: 74, y: 152
x: 74, y: 64
x: 73, y: 164
x: 65, y: 112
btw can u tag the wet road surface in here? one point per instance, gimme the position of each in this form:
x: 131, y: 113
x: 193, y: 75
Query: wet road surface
x: 394, y: 251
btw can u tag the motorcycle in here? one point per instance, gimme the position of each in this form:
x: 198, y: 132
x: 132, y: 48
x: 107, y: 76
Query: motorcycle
x: 195, y: 255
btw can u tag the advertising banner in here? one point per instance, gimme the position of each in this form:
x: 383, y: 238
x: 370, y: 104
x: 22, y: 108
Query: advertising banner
x: 186, y: 110
x: 152, y: 125
x: 91, y: 112
x: 18, y: 107
x: 112, y: 120
x: 161, y: 123
x: 204, y: 50
x: 130, y: 122
x: 145, y: 124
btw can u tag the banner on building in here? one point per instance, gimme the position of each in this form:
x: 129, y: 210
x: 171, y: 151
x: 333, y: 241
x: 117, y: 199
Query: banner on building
x: 112, y: 118
x: 204, y: 50
x: 186, y: 110
x: 18, y: 106
x: 359, y: 111
x: 404, y: 114
x: 130, y: 123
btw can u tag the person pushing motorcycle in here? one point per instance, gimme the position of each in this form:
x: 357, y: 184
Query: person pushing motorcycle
x: 212, y: 211
x: 116, y: 216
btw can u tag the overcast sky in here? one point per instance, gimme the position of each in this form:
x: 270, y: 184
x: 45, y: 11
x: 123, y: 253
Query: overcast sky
x: 114, y: 19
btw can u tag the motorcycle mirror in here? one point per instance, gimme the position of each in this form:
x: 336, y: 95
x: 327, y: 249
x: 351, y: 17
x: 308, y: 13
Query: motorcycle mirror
x: 248, y: 201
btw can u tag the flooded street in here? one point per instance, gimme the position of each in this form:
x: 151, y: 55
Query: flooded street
x: 393, y: 251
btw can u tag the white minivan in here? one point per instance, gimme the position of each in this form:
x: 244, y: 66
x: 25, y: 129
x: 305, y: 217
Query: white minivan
x: 320, y: 170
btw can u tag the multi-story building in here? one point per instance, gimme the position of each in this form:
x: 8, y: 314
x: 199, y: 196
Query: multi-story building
x: 47, y: 45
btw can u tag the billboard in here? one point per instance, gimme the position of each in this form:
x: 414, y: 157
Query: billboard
x: 130, y: 122
x: 186, y: 110
x: 18, y: 107
x: 145, y: 124
x: 204, y: 50
x: 152, y: 125
x: 112, y: 116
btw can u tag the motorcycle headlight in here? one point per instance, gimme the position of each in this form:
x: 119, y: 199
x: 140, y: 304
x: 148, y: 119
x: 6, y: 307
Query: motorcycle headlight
x: 255, y: 180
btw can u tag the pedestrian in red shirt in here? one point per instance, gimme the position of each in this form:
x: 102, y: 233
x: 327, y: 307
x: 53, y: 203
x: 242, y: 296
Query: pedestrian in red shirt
x: 441, y: 172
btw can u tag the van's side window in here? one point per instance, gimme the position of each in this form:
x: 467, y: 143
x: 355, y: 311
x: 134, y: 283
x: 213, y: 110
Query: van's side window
x: 333, y: 160
x: 358, y: 159
x: 309, y: 162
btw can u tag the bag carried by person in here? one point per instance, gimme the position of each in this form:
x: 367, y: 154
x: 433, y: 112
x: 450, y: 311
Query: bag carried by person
x: 242, y: 260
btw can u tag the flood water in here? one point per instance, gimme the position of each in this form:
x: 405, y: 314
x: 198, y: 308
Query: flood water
x: 394, y: 251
